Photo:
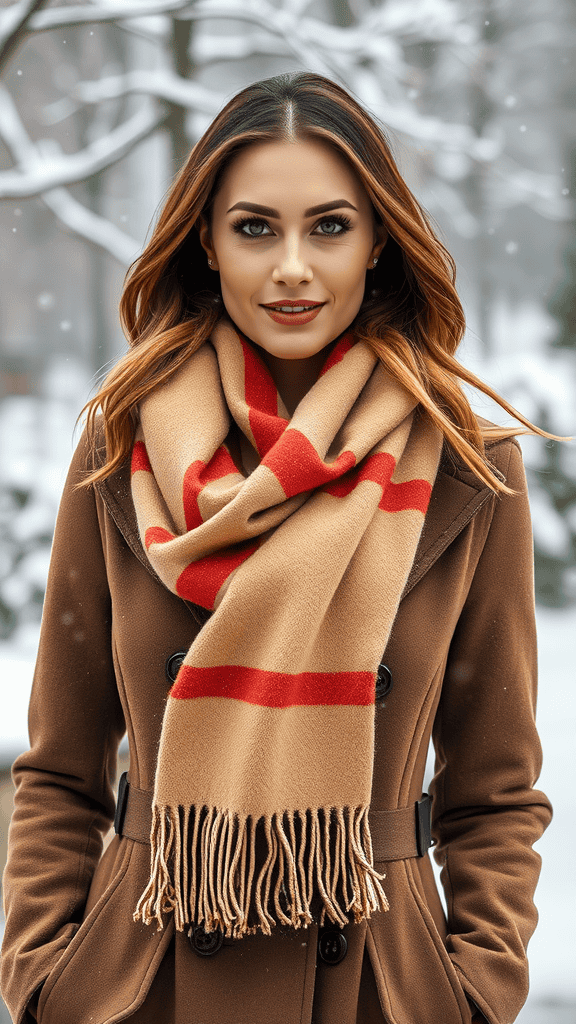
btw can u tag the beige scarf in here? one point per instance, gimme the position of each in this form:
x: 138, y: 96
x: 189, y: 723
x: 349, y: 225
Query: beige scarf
x: 264, y: 774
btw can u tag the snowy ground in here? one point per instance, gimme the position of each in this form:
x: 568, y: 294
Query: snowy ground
x: 553, y: 948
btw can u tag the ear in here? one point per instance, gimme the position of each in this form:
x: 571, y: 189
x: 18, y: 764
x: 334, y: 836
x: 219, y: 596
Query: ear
x: 203, y: 230
x: 380, y: 239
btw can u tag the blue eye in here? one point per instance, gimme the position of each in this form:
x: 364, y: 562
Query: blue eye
x: 339, y: 222
x: 255, y: 227
x: 250, y: 222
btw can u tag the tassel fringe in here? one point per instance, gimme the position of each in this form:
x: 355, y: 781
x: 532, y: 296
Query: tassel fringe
x: 315, y: 866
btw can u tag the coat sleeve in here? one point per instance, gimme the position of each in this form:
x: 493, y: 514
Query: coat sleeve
x: 486, y: 812
x: 64, y: 799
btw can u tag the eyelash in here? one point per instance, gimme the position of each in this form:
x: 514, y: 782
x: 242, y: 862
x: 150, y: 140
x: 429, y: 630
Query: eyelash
x: 336, y: 218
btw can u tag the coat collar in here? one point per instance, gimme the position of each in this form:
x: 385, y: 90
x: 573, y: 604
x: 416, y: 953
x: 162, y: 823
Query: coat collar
x: 457, y: 496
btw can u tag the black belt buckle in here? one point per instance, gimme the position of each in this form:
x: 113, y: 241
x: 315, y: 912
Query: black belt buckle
x: 423, y: 810
x: 121, y: 802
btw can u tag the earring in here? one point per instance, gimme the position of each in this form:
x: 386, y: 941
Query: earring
x: 375, y: 260
x: 210, y: 263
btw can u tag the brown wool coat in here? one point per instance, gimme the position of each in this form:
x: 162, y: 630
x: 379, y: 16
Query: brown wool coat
x: 462, y: 656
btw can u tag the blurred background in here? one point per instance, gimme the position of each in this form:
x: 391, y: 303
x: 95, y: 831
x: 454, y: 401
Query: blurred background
x: 100, y: 103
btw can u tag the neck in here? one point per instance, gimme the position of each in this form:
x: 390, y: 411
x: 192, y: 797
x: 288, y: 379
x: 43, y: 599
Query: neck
x: 294, y: 377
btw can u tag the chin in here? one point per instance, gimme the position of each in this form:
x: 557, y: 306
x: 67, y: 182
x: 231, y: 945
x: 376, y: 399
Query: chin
x: 295, y: 348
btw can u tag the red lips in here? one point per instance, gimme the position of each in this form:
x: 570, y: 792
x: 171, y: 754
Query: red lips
x: 291, y: 302
x: 294, y: 319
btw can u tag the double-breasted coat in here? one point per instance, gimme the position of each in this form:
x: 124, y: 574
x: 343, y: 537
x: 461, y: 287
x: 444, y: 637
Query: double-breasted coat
x: 462, y: 658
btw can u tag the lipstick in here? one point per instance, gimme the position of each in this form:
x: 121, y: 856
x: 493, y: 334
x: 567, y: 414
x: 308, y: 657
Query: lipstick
x: 304, y: 311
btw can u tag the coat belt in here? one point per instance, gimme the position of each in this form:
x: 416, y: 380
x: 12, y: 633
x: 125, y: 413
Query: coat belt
x: 396, y: 834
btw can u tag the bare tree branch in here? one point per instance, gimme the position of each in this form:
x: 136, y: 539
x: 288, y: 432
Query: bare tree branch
x: 163, y: 84
x: 74, y: 215
x: 14, y: 22
x: 274, y: 19
x: 67, y: 17
x: 337, y: 56
x: 91, y: 226
x: 36, y: 175
x: 400, y: 116
x: 208, y: 48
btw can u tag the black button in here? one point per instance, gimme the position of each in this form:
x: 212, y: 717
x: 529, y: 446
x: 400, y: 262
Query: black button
x: 383, y: 682
x: 205, y: 943
x: 173, y: 663
x: 332, y: 946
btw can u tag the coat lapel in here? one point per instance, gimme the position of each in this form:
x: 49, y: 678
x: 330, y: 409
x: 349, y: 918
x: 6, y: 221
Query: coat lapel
x: 456, y: 497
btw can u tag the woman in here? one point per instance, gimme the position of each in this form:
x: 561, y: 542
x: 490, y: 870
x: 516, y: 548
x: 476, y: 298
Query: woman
x: 286, y: 481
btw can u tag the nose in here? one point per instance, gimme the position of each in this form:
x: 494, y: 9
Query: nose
x: 292, y: 268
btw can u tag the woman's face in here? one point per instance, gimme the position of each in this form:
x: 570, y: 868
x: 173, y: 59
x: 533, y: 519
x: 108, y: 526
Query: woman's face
x: 292, y: 226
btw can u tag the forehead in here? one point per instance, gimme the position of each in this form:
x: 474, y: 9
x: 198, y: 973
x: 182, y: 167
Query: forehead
x: 306, y: 172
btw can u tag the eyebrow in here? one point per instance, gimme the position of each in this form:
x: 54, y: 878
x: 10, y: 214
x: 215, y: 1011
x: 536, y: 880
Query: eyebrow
x: 267, y: 211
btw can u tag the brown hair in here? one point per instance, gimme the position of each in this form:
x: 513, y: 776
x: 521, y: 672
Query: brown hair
x: 411, y: 316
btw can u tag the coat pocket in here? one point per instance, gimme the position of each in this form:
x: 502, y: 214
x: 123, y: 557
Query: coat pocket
x: 106, y: 970
x: 416, y: 979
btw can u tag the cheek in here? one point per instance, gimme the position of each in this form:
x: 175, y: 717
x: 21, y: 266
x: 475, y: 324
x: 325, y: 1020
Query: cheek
x: 238, y: 274
x: 349, y: 278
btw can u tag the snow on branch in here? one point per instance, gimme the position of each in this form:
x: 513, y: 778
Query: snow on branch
x: 334, y: 57
x: 14, y: 17
x: 36, y: 175
x: 73, y: 214
x: 13, y: 24
x: 338, y: 52
x: 66, y: 17
x: 319, y: 46
x: 161, y: 83
x: 91, y: 226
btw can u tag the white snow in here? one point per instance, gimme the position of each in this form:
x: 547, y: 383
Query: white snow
x: 35, y: 174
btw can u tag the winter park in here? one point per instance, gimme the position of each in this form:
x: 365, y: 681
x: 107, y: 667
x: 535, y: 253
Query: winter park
x: 101, y: 102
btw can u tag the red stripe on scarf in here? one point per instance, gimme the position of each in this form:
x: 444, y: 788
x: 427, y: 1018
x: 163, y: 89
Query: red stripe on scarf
x: 197, y: 476
x: 262, y: 400
x: 297, y: 465
x: 156, y: 535
x: 200, y: 581
x: 140, y: 458
x: 338, y: 352
x: 410, y: 494
x: 378, y: 468
x: 275, y: 689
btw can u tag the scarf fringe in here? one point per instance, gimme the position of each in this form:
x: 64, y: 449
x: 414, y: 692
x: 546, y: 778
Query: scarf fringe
x: 211, y: 879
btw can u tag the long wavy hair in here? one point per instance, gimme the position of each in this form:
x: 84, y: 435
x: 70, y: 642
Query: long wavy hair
x: 411, y: 316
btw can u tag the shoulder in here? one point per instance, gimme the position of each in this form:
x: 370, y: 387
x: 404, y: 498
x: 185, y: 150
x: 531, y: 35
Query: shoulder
x: 89, y: 454
x: 503, y: 454
x: 91, y: 449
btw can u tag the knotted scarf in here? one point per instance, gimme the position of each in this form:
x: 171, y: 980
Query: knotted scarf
x: 264, y: 772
